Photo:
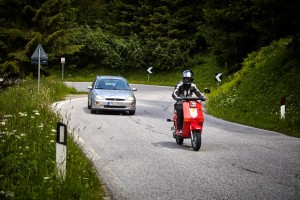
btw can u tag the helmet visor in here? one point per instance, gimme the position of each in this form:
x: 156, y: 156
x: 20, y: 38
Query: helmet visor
x: 187, y: 79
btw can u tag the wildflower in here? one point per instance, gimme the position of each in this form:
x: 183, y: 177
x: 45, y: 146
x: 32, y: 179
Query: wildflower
x: 10, y: 194
x: 53, y: 130
x: 41, y: 125
x: 32, y: 117
x: 22, y: 135
x: 2, y: 123
x: 27, y: 147
x: 37, y: 113
x: 51, y: 141
x: 23, y: 114
x: 46, y: 178
x: 7, y: 116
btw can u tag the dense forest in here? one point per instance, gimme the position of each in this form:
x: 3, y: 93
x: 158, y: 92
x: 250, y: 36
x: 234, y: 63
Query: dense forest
x: 134, y: 34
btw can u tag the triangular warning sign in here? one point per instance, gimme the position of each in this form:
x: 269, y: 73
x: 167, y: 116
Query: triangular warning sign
x: 43, y: 56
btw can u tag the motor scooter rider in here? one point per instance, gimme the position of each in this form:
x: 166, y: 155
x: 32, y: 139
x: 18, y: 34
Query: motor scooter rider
x: 185, y: 88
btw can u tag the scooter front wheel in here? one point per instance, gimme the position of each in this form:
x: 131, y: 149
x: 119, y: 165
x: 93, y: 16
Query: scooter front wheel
x: 196, y: 140
x: 179, y: 141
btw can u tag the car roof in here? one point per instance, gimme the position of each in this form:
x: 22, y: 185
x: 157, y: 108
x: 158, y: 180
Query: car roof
x: 111, y: 77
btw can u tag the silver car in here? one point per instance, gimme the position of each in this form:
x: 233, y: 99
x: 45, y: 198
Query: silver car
x: 111, y: 93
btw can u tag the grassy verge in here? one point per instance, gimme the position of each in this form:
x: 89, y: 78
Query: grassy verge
x: 27, y: 148
x: 253, y: 95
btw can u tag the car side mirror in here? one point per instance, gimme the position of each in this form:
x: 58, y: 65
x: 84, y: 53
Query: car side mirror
x: 134, y: 89
x: 206, y: 90
x: 89, y: 87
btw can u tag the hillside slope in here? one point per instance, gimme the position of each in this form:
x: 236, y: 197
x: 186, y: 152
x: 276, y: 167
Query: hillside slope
x: 253, y: 95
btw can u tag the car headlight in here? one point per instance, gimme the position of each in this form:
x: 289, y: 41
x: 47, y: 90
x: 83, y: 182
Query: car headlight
x: 130, y: 98
x: 99, y: 98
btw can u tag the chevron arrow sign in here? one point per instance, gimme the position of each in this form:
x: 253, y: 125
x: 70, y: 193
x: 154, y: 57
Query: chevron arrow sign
x: 218, y: 77
x: 149, y: 70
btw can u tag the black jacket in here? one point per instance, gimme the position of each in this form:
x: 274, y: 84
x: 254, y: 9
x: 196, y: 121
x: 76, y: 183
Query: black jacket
x: 187, y: 90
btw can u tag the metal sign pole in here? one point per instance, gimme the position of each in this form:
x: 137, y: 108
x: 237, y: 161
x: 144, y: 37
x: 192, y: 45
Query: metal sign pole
x: 62, y: 73
x: 149, y: 72
x: 39, y: 57
x: 39, y: 70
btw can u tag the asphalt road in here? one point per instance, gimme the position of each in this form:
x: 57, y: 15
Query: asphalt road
x: 137, y: 158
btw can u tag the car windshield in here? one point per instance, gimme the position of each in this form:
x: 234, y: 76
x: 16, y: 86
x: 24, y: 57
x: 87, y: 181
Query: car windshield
x: 112, y: 84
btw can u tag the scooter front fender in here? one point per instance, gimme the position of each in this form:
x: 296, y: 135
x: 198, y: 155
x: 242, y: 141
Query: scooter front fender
x: 195, y: 126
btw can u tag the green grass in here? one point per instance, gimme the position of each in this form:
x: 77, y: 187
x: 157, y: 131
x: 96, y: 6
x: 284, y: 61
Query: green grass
x: 253, y: 95
x: 27, y: 148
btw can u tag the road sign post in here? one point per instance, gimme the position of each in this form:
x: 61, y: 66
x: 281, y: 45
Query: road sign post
x: 41, y: 58
x: 149, y: 72
x: 218, y: 78
x: 39, y: 69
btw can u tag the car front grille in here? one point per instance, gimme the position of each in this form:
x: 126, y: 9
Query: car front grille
x: 112, y: 99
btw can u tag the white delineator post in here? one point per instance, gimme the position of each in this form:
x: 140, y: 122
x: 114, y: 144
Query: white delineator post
x: 61, y: 150
x: 282, y: 108
x: 63, y: 61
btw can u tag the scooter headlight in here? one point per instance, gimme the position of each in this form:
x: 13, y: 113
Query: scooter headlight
x: 193, y: 104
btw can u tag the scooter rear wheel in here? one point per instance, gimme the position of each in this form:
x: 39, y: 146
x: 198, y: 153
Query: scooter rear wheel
x: 196, y: 140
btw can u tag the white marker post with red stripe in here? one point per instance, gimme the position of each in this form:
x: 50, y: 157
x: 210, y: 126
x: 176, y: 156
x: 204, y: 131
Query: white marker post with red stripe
x: 282, y: 108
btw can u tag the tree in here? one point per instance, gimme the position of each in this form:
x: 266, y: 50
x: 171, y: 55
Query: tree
x: 233, y: 28
x: 51, y: 23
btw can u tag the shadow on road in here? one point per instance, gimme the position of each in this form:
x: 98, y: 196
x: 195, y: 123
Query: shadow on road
x: 173, y: 145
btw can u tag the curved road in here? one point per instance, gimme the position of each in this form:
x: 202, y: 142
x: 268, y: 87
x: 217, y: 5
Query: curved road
x: 137, y: 158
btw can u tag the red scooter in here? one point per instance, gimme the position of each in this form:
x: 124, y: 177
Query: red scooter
x: 192, y: 122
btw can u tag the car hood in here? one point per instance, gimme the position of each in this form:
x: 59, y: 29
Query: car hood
x: 118, y: 94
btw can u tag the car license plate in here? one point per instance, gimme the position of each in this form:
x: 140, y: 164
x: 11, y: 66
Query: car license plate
x: 114, y: 103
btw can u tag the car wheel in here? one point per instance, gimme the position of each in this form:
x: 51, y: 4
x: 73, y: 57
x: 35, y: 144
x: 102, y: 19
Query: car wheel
x: 93, y: 111
x: 132, y: 112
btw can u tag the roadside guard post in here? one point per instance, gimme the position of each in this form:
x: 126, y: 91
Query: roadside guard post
x: 61, y: 149
x: 63, y: 61
x: 282, y: 108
